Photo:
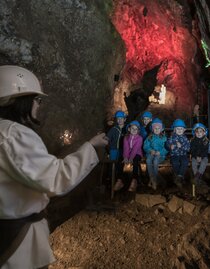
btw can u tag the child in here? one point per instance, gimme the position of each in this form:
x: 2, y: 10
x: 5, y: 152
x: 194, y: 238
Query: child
x: 179, y: 147
x: 154, y: 146
x: 199, y: 151
x: 132, y: 151
x: 145, y: 123
x: 115, y: 136
x: 145, y: 130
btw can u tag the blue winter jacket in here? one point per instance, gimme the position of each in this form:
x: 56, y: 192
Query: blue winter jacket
x: 144, y: 130
x: 157, y: 143
x: 116, y: 135
x: 183, y: 140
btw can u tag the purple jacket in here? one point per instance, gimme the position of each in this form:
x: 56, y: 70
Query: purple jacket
x: 132, y: 145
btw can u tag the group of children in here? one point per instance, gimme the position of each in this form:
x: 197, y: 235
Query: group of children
x: 128, y: 143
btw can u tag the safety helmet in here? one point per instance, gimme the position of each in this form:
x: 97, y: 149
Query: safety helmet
x: 134, y: 122
x: 199, y: 125
x: 157, y: 121
x: 17, y: 81
x: 146, y: 114
x: 178, y: 123
x: 120, y: 114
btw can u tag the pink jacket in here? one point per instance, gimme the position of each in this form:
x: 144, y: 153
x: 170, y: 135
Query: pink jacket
x: 132, y: 145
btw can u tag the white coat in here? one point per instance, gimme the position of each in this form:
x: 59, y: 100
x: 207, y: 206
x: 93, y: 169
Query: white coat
x: 29, y: 175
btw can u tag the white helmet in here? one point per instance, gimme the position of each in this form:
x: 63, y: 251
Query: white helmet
x: 17, y: 81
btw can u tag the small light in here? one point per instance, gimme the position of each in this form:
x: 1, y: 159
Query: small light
x: 128, y: 168
x: 66, y: 137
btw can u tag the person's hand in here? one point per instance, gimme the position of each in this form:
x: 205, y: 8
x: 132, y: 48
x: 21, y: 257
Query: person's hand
x: 198, y: 159
x: 130, y: 161
x: 152, y: 152
x: 125, y: 160
x: 179, y: 145
x: 100, y: 140
x: 172, y: 147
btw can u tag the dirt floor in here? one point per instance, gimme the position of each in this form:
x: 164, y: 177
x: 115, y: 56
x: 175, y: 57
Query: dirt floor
x: 122, y: 233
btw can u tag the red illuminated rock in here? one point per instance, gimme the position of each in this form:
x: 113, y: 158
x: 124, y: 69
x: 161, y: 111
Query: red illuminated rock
x: 160, y: 33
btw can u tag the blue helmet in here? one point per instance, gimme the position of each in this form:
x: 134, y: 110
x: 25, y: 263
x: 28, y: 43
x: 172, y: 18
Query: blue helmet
x: 120, y: 114
x: 157, y: 121
x: 199, y: 125
x: 134, y: 122
x: 146, y: 114
x: 178, y: 123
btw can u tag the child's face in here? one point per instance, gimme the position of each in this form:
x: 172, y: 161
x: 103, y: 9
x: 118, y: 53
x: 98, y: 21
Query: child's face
x: 146, y: 120
x: 157, y: 130
x: 121, y: 121
x: 179, y: 130
x: 133, y: 129
x: 199, y: 132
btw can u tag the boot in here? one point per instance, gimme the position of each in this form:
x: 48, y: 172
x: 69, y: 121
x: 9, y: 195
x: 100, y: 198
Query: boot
x: 153, y: 183
x: 178, y: 180
x: 133, y: 185
x: 118, y: 185
x: 196, y: 178
x: 201, y: 186
x: 161, y: 181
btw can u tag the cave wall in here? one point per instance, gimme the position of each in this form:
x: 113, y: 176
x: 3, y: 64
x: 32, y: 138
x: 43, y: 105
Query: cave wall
x: 161, y: 33
x: 75, y: 51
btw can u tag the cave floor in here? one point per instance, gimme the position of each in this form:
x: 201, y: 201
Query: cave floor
x: 122, y: 233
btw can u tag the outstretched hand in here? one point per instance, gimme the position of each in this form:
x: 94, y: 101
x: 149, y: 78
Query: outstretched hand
x: 100, y: 140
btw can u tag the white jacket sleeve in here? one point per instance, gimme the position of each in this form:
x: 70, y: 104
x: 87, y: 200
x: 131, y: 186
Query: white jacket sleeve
x: 34, y: 167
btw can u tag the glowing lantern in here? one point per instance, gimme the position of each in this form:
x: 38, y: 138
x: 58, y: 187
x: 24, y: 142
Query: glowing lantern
x: 66, y: 137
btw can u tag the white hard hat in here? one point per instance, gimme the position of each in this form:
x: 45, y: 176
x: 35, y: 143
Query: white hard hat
x: 17, y: 81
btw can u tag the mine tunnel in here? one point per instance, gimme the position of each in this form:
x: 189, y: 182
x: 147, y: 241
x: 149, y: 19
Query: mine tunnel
x: 93, y: 58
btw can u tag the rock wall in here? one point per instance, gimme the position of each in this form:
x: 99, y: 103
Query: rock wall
x: 75, y: 51
x: 162, y: 33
